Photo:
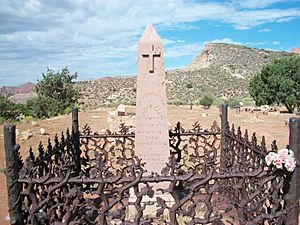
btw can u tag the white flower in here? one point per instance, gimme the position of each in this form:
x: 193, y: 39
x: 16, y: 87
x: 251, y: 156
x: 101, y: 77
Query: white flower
x: 270, y: 158
x: 290, y: 163
x: 283, y: 153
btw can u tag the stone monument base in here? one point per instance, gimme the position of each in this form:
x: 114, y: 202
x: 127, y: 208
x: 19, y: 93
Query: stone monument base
x: 150, y: 210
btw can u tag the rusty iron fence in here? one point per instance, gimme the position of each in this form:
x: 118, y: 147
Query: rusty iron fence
x: 214, y: 176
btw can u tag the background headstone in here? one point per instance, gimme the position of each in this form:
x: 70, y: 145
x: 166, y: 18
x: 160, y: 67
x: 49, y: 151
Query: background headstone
x: 121, y: 110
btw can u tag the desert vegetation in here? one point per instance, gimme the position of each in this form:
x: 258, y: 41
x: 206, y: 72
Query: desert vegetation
x: 56, y: 95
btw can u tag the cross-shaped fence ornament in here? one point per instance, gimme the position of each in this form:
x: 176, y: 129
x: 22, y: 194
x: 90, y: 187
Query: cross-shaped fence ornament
x: 151, y: 56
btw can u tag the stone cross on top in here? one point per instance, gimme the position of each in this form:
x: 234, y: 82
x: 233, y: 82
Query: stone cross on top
x: 151, y: 56
x: 150, y: 47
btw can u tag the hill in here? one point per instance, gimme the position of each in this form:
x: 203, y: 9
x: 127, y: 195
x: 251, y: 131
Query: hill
x: 21, y: 89
x: 222, y: 70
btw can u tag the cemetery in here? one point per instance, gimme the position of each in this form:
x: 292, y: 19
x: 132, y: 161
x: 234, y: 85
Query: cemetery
x: 154, y: 174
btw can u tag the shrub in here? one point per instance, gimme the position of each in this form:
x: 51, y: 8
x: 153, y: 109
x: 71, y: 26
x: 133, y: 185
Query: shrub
x: 176, y: 102
x: 248, y: 101
x: 232, y: 102
x: 68, y: 110
x: 189, y: 86
x: 43, y: 107
x: 205, y: 101
x: 278, y: 83
x: 56, y: 93
x: 8, y: 109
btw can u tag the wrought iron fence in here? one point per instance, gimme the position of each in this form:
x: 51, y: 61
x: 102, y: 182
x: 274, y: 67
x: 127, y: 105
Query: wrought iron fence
x: 214, y: 176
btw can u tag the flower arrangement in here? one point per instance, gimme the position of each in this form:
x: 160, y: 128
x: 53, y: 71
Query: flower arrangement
x: 284, y: 158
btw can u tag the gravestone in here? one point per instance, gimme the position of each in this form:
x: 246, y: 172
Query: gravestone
x: 121, y: 110
x: 151, y: 136
x: 151, y: 133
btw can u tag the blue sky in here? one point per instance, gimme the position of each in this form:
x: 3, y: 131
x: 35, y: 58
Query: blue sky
x: 99, y: 38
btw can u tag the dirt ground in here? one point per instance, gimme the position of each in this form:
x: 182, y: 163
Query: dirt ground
x: 272, y: 126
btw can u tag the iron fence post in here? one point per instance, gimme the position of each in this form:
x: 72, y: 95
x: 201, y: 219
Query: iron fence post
x: 12, y: 175
x: 224, y: 126
x: 76, y: 144
x: 292, y: 197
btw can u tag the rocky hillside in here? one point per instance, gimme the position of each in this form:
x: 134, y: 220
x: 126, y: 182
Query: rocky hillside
x: 296, y: 50
x: 22, y: 89
x: 222, y: 70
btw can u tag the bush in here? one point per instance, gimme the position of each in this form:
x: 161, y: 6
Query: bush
x: 278, y: 83
x: 8, y: 109
x: 42, y: 107
x: 205, y: 101
x: 232, y: 102
x: 56, y: 95
x: 189, y: 86
x: 67, y: 110
x: 248, y: 101
x: 176, y: 102
x: 132, y: 102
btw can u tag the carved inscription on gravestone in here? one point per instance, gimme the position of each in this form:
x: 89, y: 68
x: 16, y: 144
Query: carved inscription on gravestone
x: 152, y: 138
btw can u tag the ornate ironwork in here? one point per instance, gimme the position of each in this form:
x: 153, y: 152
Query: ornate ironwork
x: 112, y: 182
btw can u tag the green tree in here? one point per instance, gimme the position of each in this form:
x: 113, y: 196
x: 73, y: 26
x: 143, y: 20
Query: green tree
x: 42, y: 107
x: 205, y: 101
x: 56, y: 92
x: 8, y: 109
x: 278, y: 83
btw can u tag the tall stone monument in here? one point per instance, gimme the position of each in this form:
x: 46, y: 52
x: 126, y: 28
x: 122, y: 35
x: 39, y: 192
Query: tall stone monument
x: 151, y: 136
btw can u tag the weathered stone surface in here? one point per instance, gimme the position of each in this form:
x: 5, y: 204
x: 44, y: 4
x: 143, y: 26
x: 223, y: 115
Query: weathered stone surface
x: 152, y: 139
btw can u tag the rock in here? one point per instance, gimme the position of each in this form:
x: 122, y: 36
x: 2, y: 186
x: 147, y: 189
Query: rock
x: 34, y: 124
x: 204, y: 115
x: 43, y: 131
x: 17, y: 132
x: 26, y: 134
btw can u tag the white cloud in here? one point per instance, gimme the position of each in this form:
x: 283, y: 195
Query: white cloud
x: 265, y: 30
x: 181, y: 50
x: 101, y: 36
x: 275, y: 42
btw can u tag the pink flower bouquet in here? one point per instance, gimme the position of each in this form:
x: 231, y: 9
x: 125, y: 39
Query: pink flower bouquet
x: 284, y: 158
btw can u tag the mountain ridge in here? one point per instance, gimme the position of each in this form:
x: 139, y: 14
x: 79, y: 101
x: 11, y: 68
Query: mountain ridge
x: 222, y: 70
x: 25, y: 88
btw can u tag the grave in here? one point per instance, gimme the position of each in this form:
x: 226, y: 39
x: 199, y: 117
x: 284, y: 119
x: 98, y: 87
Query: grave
x: 121, y: 110
x: 151, y: 136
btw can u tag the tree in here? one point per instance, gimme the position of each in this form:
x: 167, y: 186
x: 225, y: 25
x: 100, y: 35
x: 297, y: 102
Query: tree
x: 56, y: 92
x: 42, y: 107
x: 205, y: 101
x: 278, y: 83
x: 8, y: 109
